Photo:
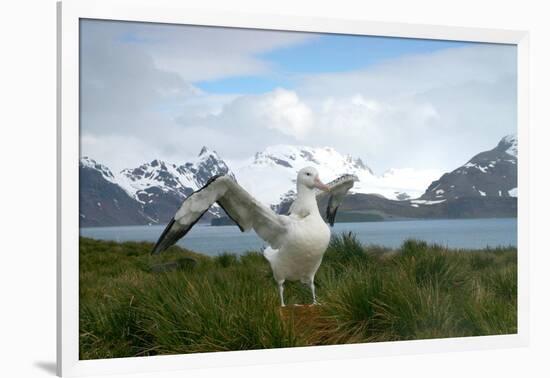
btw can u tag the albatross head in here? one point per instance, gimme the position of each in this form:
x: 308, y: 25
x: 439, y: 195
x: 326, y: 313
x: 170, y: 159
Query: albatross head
x: 309, y: 177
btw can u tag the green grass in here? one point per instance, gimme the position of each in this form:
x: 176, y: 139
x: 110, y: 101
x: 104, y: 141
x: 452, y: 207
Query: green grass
x: 134, y: 304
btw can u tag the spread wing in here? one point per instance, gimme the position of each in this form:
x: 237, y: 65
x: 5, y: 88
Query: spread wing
x: 338, y: 190
x: 239, y: 205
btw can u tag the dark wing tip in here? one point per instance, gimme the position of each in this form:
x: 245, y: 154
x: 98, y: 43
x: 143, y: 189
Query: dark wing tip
x: 160, y: 245
x: 331, y: 211
x: 331, y: 216
x: 170, y: 236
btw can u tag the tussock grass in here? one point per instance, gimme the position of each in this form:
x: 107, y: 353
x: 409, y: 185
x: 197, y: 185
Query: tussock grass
x: 193, y: 303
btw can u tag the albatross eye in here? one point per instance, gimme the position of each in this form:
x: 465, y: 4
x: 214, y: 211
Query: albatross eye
x: 308, y: 174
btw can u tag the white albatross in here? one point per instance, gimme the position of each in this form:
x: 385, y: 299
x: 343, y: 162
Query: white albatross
x: 297, y: 241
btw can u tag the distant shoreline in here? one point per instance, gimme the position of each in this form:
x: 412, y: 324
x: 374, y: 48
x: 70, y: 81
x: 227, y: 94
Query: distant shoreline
x: 338, y: 221
x: 460, y: 233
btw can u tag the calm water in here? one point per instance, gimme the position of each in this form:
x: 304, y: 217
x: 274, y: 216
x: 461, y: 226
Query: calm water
x: 454, y: 233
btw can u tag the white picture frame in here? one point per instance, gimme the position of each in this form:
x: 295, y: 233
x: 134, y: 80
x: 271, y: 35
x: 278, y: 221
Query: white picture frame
x: 69, y: 14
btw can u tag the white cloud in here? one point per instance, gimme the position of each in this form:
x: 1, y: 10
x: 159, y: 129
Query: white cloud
x: 429, y: 111
x: 246, y: 124
x: 432, y: 110
x: 198, y: 52
x: 279, y: 110
x: 136, y: 80
x: 414, y: 74
x: 229, y: 52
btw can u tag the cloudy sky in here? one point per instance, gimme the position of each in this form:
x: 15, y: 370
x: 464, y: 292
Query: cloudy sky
x: 162, y: 91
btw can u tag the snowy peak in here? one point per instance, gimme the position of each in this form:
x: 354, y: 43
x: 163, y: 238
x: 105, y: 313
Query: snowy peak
x: 207, y: 165
x: 270, y: 175
x: 86, y: 162
x: 204, y: 151
x: 165, y: 177
x: 157, y: 188
x: 298, y: 157
x: 490, y: 173
x: 262, y: 159
x: 357, y: 163
x: 102, y: 201
x: 509, y: 144
x: 152, y: 192
x: 207, y: 155
x: 157, y: 173
x: 181, y: 180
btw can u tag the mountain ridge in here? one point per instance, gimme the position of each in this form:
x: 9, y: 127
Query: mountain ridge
x: 157, y: 188
x: 491, y: 173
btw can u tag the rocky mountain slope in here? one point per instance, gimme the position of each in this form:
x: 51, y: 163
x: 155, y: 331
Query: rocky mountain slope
x: 485, y: 186
x: 161, y: 187
x: 102, y: 201
x: 152, y: 191
x: 490, y: 173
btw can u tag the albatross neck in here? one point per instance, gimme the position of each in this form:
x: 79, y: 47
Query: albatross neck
x: 306, y: 198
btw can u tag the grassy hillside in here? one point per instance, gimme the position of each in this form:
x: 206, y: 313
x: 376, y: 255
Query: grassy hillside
x: 133, y: 304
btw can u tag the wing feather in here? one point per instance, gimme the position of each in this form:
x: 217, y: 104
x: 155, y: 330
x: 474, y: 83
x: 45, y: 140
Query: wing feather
x: 239, y: 205
x: 339, y: 188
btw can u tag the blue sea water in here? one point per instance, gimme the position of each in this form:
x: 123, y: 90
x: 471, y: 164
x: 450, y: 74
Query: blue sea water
x: 453, y: 233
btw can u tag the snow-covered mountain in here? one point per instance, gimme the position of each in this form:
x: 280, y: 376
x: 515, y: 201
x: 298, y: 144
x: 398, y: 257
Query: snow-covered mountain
x: 181, y: 180
x: 490, y: 173
x: 271, y: 174
x: 158, y: 188
x: 102, y: 201
x: 152, y: 192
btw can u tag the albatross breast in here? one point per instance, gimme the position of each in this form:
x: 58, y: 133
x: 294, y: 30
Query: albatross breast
x: 301, y: 254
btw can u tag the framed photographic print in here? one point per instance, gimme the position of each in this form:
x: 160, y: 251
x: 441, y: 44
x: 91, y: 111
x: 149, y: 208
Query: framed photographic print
x: 238, y: 188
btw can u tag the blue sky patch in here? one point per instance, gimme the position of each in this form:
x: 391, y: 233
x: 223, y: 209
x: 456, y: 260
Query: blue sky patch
x: 329, y: 53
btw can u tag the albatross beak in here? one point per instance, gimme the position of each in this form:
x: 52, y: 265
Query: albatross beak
x: 319, y: 185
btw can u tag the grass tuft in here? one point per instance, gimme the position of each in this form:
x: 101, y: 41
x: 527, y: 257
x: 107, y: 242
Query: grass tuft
x: 135, y: 304
x: 226, y: 260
